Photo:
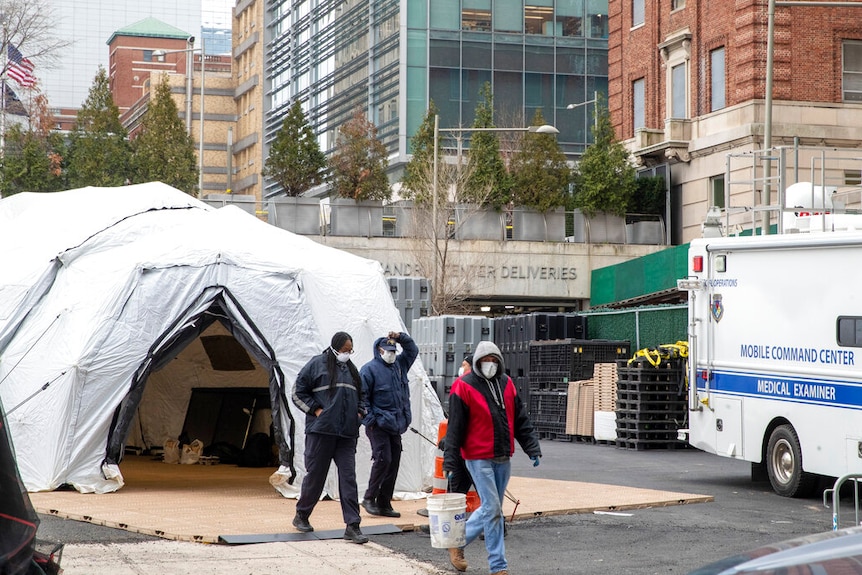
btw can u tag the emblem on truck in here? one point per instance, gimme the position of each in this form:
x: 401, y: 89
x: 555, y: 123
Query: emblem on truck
x: 717, y: 308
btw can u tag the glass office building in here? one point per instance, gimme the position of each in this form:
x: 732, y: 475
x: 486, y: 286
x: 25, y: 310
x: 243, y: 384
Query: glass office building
x: 389, y: 58
x: 87, y: 25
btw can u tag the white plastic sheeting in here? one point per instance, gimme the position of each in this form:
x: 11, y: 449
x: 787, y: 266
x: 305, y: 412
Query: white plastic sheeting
x: 95, y: 283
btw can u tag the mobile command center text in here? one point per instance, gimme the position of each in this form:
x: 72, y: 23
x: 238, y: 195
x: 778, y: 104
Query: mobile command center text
x: 801, y: 354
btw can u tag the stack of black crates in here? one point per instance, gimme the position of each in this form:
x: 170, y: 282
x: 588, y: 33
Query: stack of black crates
x: 651, y: 403
x: 513, y: 334
x: 553, y: 365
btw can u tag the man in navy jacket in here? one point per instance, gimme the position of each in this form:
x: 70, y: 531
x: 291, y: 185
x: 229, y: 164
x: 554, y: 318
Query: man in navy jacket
x: 386, y: 394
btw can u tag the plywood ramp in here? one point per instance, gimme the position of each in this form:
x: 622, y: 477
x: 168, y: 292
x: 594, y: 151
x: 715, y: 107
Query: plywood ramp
x: 203, y: 502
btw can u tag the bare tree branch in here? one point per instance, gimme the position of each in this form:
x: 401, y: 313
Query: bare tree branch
x: 30, y: 25
x: 435, y: 243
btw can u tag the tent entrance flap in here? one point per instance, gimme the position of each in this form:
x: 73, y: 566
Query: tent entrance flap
x: 210, y: 354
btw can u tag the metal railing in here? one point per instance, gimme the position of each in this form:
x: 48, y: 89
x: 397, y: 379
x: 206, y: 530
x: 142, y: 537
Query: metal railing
x: 835, y: 494
x: 403, y: 220
x: 757, y: 185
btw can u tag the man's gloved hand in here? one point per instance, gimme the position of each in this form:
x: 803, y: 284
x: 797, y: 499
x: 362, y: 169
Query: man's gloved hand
x: 535, y: 459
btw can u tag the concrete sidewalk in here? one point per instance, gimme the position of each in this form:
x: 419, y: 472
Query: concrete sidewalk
x: 331, y: 557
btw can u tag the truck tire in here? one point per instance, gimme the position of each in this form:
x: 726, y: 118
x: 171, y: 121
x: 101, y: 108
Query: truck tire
x: 784, y: 464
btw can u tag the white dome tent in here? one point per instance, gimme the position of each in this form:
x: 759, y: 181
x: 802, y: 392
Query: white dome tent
x: 107, y: 296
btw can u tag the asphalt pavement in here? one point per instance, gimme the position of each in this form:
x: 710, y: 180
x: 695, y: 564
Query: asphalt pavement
x: 663, y: 540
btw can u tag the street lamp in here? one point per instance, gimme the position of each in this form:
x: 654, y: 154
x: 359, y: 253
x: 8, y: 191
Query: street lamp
x: 160, y: 56
x: 595, y: 101
x: 543, y: 129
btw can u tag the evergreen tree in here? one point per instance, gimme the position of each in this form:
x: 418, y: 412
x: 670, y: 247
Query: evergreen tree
x: 358, y: 165
x: 605, y: 179
x: 540, y: 174
x: 418, y: 181
x: 32, y: 159
x: 99, y: 150
x: 489, y: 183
x: 164, y: 151
x: 295, y: 160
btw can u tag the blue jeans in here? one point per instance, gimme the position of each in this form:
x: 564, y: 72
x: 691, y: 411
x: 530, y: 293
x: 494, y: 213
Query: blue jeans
x: 491, y: 480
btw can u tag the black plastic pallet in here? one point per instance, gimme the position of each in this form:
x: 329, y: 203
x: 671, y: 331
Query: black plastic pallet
x: 626, y: 406
x: 575, y: 357
x: 641, y: 445
x: 555, y: 436
x: 653, y: 398
x: 670, y: 385
x: 665, y: 435
x: 640, y: 415
x: 549, y: 382
x: 631, y: 425
x: 548, y: 406
x: 646, y: 376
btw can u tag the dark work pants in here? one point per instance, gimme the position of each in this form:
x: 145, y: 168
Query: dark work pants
x: 386, y: 457
x: 320, y: 451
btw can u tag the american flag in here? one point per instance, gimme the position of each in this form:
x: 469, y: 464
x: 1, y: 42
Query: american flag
x: 20, y: 68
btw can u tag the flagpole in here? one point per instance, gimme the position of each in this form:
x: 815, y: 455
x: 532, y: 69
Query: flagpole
x: 3, y: 97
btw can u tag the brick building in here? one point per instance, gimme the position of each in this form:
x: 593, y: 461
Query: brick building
x: 140, y: 54
x: 687, y: 85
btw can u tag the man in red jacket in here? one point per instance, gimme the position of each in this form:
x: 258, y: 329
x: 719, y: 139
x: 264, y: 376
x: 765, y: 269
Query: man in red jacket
x: 486, y: 416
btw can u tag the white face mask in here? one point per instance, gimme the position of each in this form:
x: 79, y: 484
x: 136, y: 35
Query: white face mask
x: 489, y: 369
x: 461, y: 371
x: 388, y: 356
x: 341, y: 357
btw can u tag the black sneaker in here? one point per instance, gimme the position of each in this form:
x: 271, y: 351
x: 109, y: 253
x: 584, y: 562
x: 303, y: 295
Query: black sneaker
x: 301, y: 523
x: 353, y: 533
x: 371, y: 507
x: 389, y: 512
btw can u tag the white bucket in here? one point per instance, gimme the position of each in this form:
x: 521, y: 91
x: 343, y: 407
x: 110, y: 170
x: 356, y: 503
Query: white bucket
x: 447, y: 517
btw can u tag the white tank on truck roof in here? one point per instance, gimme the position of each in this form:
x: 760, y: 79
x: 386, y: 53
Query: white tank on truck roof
x: 811, y: 200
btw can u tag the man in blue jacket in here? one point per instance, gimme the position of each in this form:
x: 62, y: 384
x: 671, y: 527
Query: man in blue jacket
x: 386, y: 396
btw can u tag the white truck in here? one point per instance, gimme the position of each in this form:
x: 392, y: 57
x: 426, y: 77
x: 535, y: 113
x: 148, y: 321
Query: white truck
x: 775, y: 354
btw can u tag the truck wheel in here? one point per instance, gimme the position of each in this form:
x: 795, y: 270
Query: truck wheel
x: 784, y: 464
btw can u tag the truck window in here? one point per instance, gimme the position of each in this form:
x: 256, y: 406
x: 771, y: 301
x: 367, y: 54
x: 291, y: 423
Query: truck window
x: 850, y: 331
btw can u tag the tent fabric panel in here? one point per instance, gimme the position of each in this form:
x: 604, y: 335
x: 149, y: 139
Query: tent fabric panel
x: 124, y: 272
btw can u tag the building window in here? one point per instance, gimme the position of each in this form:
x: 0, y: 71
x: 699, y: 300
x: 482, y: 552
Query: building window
x: 852, y: 71
x: 638, y: 103
x: 570, y: 18
x: 508, y: 16
x: 539, y: 17
x: 597, y: 15
x: 716, y: 192
x: 637, y: 13
x: 476, y: 15
x: 853, y: 177
x: 716, y: 58
x: 677, y: 5
x: 444, y: 15
x: 148, y: 55
x: 678, y: 91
